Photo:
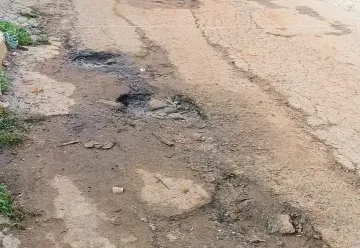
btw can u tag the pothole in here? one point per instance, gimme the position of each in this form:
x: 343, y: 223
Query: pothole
x: 93, y: 59
x: 136, y: 99
x: 125, y: 69
x: 118, y: 64
x: 238, y: 203
x: 177, y: 107
x: 140, y: 99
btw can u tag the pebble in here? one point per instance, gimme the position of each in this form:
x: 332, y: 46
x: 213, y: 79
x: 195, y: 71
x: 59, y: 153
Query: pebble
x: 90, y: 144
x: 285, y: 225
x: 198, y: 137
x: 110, y: 61
x: 6, y: 230
x: 176, y: 116
x: 163, y: 139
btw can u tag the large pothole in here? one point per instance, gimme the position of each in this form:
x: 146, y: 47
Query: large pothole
x: 118, y: 64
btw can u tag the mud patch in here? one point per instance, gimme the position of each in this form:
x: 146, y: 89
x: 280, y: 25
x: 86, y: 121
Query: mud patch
x: 165, y: 4
x: 172, y: 196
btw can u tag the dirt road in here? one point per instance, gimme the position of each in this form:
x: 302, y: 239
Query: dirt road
x: 189, y: 124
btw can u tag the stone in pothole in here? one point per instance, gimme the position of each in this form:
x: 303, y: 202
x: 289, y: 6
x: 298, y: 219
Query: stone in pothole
x: 172, y: 196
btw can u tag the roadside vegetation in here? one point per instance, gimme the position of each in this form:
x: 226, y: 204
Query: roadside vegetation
x: 10, y: 129
x: 10, y: 135
x: 23, y: 37
x: 7, y: 207
x: 4, y: 82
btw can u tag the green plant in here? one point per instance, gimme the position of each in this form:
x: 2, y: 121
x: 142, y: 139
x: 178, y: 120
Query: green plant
x: 21, y: 34
x: 9, y: 131
x: 6, y: 207
x: 4, y: 82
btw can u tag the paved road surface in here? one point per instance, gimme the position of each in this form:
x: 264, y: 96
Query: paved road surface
x: 279, y: 80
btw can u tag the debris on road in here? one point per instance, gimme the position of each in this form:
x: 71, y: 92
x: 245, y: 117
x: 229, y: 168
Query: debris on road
x: 152, y: 226
x: 176, y: 116
x: 90, y: 144
x: 108, y: 145
x: 163, y: 139
x: 117, y: 190
x: 93, y: 144
x: 155, y: 104
x: 70, y: 143
x: 110, y: 62
x: 161, y: 181
x: 285, y: 225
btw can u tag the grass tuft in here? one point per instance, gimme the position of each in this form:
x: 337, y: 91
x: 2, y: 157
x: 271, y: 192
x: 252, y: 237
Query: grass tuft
x: 6, y: 207
x: 22, y: 36
x: 4, y: 82
x: 10, y: 134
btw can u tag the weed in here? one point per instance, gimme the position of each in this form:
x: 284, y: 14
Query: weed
x: 9, y: 139
x: 10, y: 134
x: 5, y: 201
x: 7, y: 207
x: 4, y: 82
x: 22, y: 36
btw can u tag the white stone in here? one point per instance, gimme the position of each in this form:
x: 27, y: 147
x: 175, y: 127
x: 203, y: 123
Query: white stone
x: 118, y: 190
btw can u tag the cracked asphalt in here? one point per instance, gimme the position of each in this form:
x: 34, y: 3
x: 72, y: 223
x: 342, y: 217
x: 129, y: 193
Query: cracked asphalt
x: 303, y: 55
